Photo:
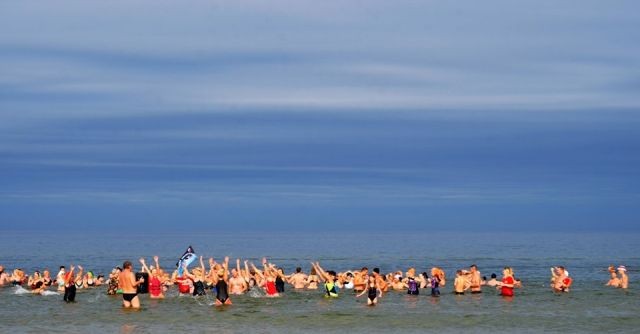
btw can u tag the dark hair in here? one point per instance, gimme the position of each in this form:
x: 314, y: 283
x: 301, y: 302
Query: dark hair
x: 62, y: 267
x: 126, y: 264
x: 484, y: 278
x: 494, y: 275
x: 424, y: 274
x: 313, y: 271
x: 376, y: 270
x: 364, y: 268
x: 298, y: 269
x: 332, y: 273
x: 474, y: 266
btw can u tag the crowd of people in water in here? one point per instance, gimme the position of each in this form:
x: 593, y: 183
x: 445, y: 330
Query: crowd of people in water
x: 224, y: 281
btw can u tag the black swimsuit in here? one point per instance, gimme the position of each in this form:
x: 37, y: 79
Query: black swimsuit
x: 198, y: 288
x: 129, y: 296
x: 70, y: 292
x: 222, y: 293
x: 372, y: 293
x: 279, y: 284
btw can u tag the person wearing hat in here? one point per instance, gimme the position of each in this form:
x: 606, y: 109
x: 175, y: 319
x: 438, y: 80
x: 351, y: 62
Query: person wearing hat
x: 624, y: 279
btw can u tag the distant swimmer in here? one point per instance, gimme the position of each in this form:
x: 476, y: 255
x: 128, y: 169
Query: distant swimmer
x: 508, y: 282
x: 434, y: 283
x: 222, y: 284
x: 127, y: 282
x: 360, y: 280
x: 624, y: 279
x: 412, y: 283
x: 298, y: 279
x: 493, y: 281
x: 560, y: 280
x: 439, y: 273
x: 312, y: 279
x: 69, y: 286
x: 329, y: 278
x: 155, y: 279
x: 372, y: 290
x: 614, y: 281
x: 237, y: 283
x: 475, y: 279
x: 459, y: 283
x: 4, y: 278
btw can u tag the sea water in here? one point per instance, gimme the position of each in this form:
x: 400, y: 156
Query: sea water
x: 589, y: 307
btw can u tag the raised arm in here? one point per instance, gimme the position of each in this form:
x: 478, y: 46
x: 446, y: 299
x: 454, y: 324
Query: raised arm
x: 67, y: 276
x: 226, y: 268
x: 144, y: 266
x: 203, y: 272
x: 257, y: 271
x: 157, y: 263
x: 321, y: 273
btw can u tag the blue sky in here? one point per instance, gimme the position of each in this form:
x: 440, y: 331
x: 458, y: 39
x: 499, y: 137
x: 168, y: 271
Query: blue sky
x: 423, y: 115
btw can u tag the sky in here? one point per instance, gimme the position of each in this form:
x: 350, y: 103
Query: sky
x: 295, y: 115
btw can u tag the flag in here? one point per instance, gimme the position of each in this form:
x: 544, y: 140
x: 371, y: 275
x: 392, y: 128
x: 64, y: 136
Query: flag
x: 186, y: 259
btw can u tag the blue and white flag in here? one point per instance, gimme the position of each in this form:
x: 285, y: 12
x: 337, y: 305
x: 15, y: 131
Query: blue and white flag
x: 186, y: 259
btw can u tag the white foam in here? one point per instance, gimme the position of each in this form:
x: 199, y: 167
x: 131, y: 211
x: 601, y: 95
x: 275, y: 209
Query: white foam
x: 50, y: 293
x: 21, y: 291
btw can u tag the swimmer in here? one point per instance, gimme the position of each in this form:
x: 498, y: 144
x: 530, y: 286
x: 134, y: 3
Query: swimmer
x: 312, y: 280
x: 90, y: 279
x: 434, y: 283
x: 624, y: 279
x: 493, y: 281
x: 380, y: 280
x: 346, y: 280
x: 411, y: 283
x: 329, y: 278
x: 439, y: 273
x: 460, y: 283
x: 614, y: 281
x: 249, y: 276
x: 184, y: 282
x: 4, y: 278
x: 69, y: 286
x: 46, y: 278
x: 237, y: 284
x: 80, y: 281
x: 18, y: 277
x: 298, y: 279
x: 127, y: 282
x: 281, y: 278
x: 424, y: 280
x: 60, y: 278
x: 372, y: 290
x: 197, y: 276
x: 397, y: 284
x: 222, y: 284
x: 475, y: 279
x: 560, y: 279
x: 155, y: 279
x: 112, y: 288
x: 360, y: 280
x: 508, y: 282
x: 35, y: 281
x: 268, y: 278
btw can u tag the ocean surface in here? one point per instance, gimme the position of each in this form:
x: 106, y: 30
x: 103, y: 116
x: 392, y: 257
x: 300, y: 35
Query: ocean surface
x: 589, y: 307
